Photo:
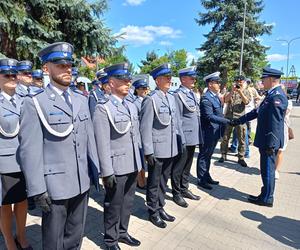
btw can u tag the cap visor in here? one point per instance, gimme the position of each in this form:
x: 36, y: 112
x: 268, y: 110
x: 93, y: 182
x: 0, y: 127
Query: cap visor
x: 9, y: 72
x: 62, y: 61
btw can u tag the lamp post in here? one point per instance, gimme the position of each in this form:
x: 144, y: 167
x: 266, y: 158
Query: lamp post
x: 243, y: 38
x: 288, y: 53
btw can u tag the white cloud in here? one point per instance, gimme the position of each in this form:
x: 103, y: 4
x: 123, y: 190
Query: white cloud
x: 133, y: 2
x: 194, y: 56
x: 143, y: 35
x: 165, y: 43
x: 276, y: 57
x: 271, y: 24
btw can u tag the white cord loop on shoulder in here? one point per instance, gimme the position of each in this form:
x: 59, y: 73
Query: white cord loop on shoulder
x: 46, y: 124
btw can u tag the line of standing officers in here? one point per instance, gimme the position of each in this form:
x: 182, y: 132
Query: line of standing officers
x: 56, y: 141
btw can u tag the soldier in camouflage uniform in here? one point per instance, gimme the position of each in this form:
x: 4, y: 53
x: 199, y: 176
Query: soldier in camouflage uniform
x: 236, y: 100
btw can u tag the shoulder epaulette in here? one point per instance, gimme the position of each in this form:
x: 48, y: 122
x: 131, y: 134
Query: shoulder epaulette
x: 177, y: 90
x: 77, y: 91
x: 103, y: 100
x: 152, y: 93
x: 34, y: 93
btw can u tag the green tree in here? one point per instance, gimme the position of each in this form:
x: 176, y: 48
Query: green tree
x: 223, y: 43
x: 27, y: 26
x: 177, y: 59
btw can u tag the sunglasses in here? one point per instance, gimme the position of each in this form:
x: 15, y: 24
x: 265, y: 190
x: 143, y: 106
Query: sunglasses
x: 9, y: 76
x: 25, y: 73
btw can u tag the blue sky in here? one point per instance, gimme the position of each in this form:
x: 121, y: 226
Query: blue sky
x: 169, y: 25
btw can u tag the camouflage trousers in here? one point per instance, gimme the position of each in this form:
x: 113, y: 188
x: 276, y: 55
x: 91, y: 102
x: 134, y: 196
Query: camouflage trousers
x: 241, y: 135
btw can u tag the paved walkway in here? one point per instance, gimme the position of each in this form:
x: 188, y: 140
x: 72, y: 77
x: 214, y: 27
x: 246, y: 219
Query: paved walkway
x: 222, y: 219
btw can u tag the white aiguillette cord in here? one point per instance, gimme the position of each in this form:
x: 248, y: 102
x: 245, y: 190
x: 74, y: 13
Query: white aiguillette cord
x: 112, y: 123
x: 13, y: 134
x: 46, y: 124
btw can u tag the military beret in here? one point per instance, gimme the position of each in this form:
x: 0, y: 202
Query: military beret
x: 120, y: 71
x: 24, y: 66
x: 58, y: 53
x: 162, y: 70
x: 269, y: 72
x: 140, y: 83
x: 8, y: 66
x: 212, y: 77
x: 189, y: 71
x: 37, y: 74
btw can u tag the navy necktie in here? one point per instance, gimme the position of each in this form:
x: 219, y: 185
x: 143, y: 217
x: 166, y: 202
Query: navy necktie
x: 66, y: 96
x: 12, y: 100
x: 126, y: 106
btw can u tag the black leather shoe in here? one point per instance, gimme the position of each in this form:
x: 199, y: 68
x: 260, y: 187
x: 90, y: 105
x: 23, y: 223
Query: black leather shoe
x: 157, y: 221
x: 259, y: 202
x: 166, y: 216
x: 205, y: 185
x: 188, y: 194
x: 129, y: 240
x: 113, y: 247
x: 178, y: 199
x: 253, y: 197
x: 221, y: 160
x: 242, y: 163
x: 213, y: 182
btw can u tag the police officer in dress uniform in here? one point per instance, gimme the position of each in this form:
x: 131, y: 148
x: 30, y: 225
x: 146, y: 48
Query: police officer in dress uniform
x: 96, y: 93
x: 13, y: 186
x: 159, y: 129
x: 117, y: 135
x: 213, y: 126
x: 141, y: 87
x: 37, y: 78
x: 189, y: 111
x: 58, y: 151
x: 24, y: 77
x: 269, y: 135
x: 72, y: 85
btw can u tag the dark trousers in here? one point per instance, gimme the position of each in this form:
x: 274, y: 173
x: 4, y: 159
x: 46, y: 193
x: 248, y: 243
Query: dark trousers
x: 181, y: 170
x: 63, y: 227
x: 158, y: 176
x: 118, y: 204
x: 267, y: 171
x: 204, y: 158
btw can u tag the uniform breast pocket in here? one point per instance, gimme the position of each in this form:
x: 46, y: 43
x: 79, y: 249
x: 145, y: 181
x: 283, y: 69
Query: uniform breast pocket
x: 164, y: 114
x: 58, y: 119
x: 83, y: 116
x: 121, y: 118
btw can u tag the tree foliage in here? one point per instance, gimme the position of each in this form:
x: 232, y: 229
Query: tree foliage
x: 177, y: 59
x: 223, y: 43
x: 27, y: 26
